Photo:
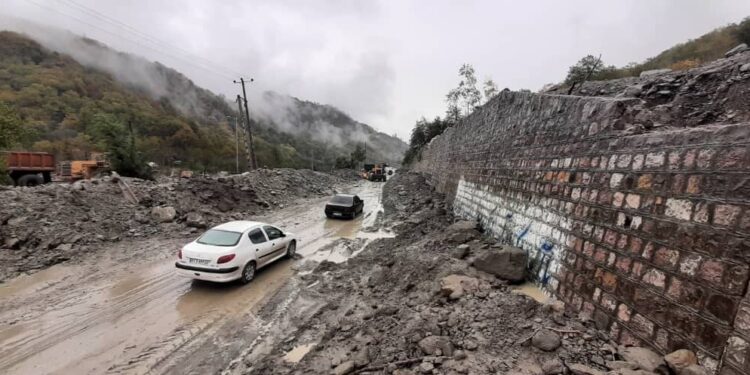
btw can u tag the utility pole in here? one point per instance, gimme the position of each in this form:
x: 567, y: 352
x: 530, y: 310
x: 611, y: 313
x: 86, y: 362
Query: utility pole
x: 254, y: 162
x: 248, y: 144
x: 236, y: 145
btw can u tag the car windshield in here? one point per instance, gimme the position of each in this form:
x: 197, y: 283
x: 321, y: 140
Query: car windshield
x: 217, y: 237
x: 342, y: 199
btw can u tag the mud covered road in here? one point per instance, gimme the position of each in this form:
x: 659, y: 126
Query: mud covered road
x: 124, y: 310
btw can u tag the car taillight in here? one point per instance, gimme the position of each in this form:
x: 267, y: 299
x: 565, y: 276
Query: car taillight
x: 225, y: 258
x: 179, y: 254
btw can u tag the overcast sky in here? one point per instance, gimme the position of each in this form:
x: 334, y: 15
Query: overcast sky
x: 384, y: 62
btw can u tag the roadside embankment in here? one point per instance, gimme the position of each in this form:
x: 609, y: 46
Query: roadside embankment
x: 418, y: 303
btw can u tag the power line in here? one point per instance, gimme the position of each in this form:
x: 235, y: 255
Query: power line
x: 221, y: 74
x: 134, y: 31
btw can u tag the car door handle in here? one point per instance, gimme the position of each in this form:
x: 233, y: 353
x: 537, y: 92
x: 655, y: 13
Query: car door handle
x: 257, y: 249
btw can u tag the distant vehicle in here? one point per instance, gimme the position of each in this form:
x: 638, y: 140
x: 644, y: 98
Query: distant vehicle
x: 74, y: 170
x: 234, y: 251
x: 29, y: 168
x: 344, y: 206
x: 374, y: 172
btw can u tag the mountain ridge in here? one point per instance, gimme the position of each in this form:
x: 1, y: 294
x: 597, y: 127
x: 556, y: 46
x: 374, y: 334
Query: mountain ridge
x: 169, y: 94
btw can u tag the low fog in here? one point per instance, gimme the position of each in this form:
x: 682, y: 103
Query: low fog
x: 287, y: 113
x: 385, y: 63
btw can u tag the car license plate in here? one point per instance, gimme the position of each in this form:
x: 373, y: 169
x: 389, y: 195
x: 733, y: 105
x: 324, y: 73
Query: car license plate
x: 199, y: 261
x: 337, y: 214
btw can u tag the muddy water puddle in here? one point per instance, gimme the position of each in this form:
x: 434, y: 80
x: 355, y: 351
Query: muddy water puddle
x: 38, y: 280
x: 337, y: 240
x: 130, y: 313
x: 532, y: 290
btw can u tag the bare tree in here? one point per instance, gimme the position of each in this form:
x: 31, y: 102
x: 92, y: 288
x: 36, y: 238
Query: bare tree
x: 490, y: 89
x: 453, y: 114
x: 470, y: 95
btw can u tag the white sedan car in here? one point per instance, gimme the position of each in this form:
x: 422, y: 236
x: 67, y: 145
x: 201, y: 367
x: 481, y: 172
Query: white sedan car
x: 234, y: 250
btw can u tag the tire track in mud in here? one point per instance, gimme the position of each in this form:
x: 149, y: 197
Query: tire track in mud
x: 76, y: 323
x: 153, y: 355
x: 263, y: 331
x: 158, y: 355
x: 125, y: 311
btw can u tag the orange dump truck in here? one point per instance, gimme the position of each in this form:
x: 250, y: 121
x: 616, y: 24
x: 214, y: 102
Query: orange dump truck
x: 29, y: 168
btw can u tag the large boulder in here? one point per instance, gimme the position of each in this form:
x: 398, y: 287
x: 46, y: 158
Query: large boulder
x: 645, y: 359
x: 344, y: 368
x: 680, y: 359
x: 163, y: 214
x: 553, y: 366
x: 462, y: 231
x: 694, y: 370
x: 546, y: 340
x: 455, y: 286
x: 579, y: 369
x: 508, y: 263
x: 462, y: 225
x: 436, y: 345
x: 195, y: 220
x: 738, y: 49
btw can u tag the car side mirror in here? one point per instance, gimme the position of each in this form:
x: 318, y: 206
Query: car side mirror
x: 282, y: 234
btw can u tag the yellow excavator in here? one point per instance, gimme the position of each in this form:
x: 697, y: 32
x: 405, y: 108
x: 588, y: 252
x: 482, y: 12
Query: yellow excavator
x: 74, y: 170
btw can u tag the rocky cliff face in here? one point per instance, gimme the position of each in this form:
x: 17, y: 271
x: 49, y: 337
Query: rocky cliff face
x: 713, y: 93
x: 631, y: 199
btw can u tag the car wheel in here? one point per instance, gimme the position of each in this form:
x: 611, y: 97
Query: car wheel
x: 248, y: 273
x: 291, y: 249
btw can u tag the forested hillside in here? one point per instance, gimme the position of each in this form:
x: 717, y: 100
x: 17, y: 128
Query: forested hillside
x: 682, y: 56
x: 70, y: 108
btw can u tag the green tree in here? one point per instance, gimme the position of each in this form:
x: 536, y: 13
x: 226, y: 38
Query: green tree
x: 11, y: 127
x: 585, y: 68
x: 119, y: 141
x: 11, y: 132
x: 424, y: 131
x: 342, y: 162
x: 358, y: 155
x: 742, y: 33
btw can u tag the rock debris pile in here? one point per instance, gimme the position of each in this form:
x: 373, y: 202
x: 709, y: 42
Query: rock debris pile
x: 437, y: 300
x: 716, y: 92
x: 52, y: 223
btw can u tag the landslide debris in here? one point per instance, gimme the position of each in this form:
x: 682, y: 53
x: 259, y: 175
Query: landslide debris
x: 716, y: 92
x: 415, y: 304
x: 52, y: 223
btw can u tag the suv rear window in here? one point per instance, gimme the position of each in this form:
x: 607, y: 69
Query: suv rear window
x: 342, y: 199
x: 256, y: 236
x: 217, y: 237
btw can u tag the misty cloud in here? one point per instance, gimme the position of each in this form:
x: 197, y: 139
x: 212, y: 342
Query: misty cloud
x: 386, y: 63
